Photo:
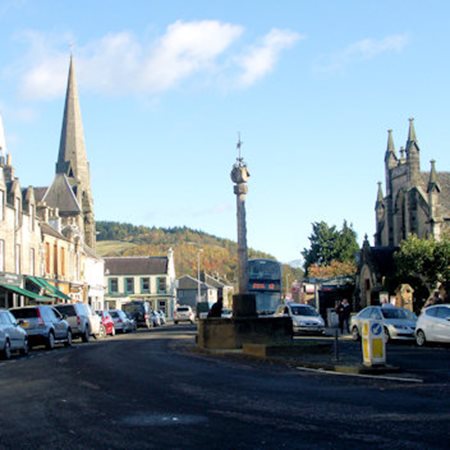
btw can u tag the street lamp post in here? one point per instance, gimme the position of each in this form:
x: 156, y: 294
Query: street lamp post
x: 200, y: 250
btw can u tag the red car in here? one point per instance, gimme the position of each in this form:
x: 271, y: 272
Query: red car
x: 107, y: 325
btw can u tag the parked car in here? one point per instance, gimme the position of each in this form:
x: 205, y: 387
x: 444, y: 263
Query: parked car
x: 398, y: 323
x: 140, y: 311
x: 12, y: 337
x: 122, y: 323
x: 77, y: 314
x: 305, y: 319
x: 44, y: 325
x: 433, y: 325
x: 183, y: 314
x: 107, y: 324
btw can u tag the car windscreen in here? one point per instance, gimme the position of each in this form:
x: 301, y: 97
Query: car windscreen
x: 133, y: 307
x: 114, y: 314
x: 25, y: 313
x: 394, y: 313
x: 68, y: 310
x: 303, y: 311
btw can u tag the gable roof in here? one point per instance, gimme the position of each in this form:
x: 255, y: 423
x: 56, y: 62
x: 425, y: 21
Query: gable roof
x: 186, y: 282
x: 136, y: 265
x: 443, y: 178
x: 39, y: 193
x: 48, y: 229
x: 60, y: 195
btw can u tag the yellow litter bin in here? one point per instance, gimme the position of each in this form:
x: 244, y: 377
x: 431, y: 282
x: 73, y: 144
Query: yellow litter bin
x: 373, y: 344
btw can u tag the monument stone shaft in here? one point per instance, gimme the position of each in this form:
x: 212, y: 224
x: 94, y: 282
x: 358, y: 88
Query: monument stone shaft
x: 239, y: 176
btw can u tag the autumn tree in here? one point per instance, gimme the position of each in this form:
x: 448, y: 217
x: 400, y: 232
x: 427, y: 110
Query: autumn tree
x: 331, y: 246
x: 423, y: 261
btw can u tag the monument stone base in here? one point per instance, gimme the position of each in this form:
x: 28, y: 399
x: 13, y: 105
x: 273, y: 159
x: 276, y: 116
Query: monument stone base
x: 222, y: 334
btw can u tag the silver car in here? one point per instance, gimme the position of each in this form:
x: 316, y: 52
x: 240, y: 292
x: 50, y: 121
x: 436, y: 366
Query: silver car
x: 398, y: 323
x: 305, y: 319
x: 12, y: 336
x: 433, y: 325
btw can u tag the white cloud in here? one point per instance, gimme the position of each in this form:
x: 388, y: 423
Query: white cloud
x: 120, y: 63
x: 260, y: 60
x: 363, y: 50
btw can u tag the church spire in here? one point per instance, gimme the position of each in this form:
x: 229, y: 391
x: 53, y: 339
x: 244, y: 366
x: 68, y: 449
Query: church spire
x: 72, y: 159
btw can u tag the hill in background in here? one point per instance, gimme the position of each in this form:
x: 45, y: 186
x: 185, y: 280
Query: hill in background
x: 219, y: 255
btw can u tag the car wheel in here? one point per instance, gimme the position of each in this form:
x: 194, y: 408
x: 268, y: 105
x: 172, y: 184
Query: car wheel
x: 50, y: 345
x: 68, y: 342
x: 387, y: 335
x: 355, y: 334
x: 102, y: 332
x: 421, y: 340
x: 6, y: 353
x: 26, y: 348
x: 86, y: 335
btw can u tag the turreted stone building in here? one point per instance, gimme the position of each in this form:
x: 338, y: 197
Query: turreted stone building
x: 415, y: 202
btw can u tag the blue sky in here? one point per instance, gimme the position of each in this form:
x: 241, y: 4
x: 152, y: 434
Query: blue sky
x: 165, y: 86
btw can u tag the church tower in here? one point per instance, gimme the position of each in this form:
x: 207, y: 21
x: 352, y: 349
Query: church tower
x: 72, y: 160
x: 413, y: 156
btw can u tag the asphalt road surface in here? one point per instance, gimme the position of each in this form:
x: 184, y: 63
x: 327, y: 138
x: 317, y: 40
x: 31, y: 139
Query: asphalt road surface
x: 154, y: 390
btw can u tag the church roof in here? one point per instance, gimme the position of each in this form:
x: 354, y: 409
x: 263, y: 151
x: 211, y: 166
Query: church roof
x: 60, y: 195
x: 136, y: 265
x: 39, y: 193
x: 443, y: 178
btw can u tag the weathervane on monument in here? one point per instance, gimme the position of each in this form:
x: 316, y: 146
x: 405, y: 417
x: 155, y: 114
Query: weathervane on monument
x: 239, y: 176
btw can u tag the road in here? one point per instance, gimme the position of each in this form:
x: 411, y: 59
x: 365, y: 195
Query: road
x: 154, y: 390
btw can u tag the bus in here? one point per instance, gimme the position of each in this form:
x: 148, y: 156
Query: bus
x: 264, y: 281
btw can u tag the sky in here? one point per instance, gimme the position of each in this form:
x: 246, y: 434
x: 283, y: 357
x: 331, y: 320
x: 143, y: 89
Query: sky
x: 166, y: 86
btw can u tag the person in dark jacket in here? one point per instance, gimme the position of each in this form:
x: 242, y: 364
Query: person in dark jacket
x: 343, y: 311
x: 216, y: 309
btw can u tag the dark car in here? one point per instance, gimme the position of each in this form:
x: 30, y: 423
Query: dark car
x: 44, y: 325
x: 140, y: 311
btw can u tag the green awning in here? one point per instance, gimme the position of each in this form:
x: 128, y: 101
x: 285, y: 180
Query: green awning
x: 49, y: 288
x: 26, y: 293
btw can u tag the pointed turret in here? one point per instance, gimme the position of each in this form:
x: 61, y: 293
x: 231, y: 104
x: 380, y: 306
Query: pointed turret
x: 379, y: 195
x: 72, y: 159
x: 433, y: 183
x: 390, y: 147
x: 413, y: 155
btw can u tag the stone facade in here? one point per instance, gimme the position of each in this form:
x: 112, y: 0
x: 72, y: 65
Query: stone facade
x: 47, y: 234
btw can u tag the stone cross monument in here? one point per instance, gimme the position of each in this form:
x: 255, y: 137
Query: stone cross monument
x: 239, y: 176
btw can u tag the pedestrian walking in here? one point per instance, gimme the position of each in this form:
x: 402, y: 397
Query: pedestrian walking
x: 343, y: 311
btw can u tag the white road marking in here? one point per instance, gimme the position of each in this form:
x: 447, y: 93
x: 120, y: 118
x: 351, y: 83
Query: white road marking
x: 361, y: 375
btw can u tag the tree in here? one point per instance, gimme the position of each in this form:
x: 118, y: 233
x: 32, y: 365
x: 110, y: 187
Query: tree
x: 423, y: 261
x: 329, y: 244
